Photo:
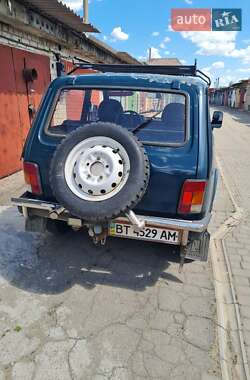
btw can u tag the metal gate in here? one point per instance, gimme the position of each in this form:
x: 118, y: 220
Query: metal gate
x: 19, y: 99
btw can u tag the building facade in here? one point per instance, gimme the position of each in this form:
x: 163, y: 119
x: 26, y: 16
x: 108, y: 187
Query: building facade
x: 235, y: 96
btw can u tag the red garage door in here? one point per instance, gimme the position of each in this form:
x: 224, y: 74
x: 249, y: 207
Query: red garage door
x: 17, y: 97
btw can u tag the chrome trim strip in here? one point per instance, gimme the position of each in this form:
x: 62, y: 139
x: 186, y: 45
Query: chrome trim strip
x: 35, y: 203
x: 179, y: 224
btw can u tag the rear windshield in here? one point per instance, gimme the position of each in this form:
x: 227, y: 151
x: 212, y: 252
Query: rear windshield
x: 162, y: 114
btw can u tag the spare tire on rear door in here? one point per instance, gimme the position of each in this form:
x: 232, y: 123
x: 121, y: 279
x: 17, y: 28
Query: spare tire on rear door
x: 99, y: 172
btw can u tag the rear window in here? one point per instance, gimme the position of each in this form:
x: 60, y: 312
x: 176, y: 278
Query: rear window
x: 163, y: 114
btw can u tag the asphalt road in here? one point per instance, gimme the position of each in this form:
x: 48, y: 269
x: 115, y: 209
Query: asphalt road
x: 70, y: 310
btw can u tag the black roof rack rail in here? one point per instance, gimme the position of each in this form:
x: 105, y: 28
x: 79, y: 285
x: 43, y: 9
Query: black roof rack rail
x: 203, y: 76
x: 184, y: 70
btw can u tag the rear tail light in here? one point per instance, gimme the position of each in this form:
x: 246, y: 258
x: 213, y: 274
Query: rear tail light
x: 192, y: 196
x: 32, y: 177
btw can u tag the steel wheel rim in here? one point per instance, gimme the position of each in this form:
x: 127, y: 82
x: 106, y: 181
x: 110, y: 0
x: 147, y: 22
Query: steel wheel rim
x: 97, y: 168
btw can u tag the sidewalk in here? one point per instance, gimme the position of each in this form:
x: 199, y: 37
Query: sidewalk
x: 11, y: 186
x: 232, y: 149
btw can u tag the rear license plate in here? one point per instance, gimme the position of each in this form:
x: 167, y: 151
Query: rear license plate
x: 161, y: 235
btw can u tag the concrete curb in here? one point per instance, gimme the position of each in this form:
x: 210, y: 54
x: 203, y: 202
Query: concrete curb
x: 233, y: 357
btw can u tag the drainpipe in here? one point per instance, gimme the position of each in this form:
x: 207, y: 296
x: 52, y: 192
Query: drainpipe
x: 85, y: 11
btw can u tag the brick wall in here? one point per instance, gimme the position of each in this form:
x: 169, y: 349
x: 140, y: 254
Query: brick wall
x: 25, y: 29
x: 22, y: 32
x: 13, y: 37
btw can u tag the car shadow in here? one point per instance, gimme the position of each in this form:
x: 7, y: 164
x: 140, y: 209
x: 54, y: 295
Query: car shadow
x: 50, y: 265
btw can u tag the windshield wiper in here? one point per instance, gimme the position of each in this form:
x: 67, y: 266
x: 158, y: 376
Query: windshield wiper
x: 145, y: 123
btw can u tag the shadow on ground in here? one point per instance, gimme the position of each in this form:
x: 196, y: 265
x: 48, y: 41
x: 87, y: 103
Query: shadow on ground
x: 51, y: 265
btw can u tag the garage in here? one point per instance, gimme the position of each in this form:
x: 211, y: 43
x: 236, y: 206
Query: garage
x: 24, y: 78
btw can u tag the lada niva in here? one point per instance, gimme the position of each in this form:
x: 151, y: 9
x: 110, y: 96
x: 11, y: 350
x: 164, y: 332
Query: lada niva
x: 124, y: 151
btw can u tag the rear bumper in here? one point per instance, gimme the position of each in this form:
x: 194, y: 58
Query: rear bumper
x: 56, y: 211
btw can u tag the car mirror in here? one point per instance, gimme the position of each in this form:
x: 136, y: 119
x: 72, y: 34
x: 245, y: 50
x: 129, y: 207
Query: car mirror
x: 217, y: 119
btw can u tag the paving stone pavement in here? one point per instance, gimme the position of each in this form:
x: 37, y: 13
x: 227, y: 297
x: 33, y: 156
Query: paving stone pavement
x: 234, y: 156
x: 11, y: 186
x: 70, y: 310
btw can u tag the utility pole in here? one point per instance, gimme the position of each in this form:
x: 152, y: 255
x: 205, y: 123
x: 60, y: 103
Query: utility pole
x: 217, y: 82
x: 150, y: 54
x: 85, y: 11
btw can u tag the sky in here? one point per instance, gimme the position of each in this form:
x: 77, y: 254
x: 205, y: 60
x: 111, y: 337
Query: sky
x: 137, y: 25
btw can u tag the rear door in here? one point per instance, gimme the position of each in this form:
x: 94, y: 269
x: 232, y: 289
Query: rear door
x: 170, y: 138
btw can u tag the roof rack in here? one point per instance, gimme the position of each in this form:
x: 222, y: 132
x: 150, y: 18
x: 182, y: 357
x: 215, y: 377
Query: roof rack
x: 184, y: 70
